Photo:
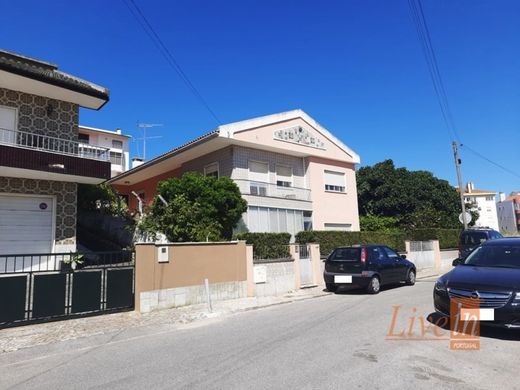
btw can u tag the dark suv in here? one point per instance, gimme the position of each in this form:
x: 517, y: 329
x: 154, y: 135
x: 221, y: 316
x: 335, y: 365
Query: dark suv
x: 367, y: 266
x: 471, y: 238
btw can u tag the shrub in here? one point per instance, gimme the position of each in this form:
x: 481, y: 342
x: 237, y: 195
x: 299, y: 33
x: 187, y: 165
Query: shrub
x: 267, y: 245
x: 328, y: 240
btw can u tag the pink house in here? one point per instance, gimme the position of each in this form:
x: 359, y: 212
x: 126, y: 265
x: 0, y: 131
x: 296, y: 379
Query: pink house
x: 294, y: 174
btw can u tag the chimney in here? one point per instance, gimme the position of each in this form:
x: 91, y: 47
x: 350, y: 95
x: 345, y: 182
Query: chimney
x: 501, y: 196
x: 470, y: 187
x: 118, y: 130
x: 136, y: 161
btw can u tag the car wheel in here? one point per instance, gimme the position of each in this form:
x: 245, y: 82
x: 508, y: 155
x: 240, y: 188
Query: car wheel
x: 331, y: 287
x: 374, y: 285
x: 410, y: 279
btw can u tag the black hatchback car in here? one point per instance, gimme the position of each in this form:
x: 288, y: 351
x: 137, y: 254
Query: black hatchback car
x: 491, y: 276
x: 367, y: 266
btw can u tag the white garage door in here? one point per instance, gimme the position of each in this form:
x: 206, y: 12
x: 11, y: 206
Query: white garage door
x: 25, y: 224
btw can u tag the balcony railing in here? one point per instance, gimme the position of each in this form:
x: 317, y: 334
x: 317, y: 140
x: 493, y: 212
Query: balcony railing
x: 26, y: 140
x: 250, y: 187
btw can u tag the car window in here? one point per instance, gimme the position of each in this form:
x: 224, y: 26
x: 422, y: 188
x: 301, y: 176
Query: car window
x: 473, y: 238
x: 346, y: 254
x: 390, y: 253
x: 495, y: 256
x: 376, y: 255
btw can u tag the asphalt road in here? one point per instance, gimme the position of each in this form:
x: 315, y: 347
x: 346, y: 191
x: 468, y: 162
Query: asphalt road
x: 336, y: 341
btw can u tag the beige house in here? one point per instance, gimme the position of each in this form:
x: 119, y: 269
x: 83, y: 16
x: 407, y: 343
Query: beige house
x: 294, y: 173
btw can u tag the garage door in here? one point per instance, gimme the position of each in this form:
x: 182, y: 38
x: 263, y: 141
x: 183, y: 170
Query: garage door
x: 25, y: 224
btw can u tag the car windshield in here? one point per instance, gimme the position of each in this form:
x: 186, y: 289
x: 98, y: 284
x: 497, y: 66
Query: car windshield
x: 346, y: 254
x: 495, y: 256
x: 473, y: 238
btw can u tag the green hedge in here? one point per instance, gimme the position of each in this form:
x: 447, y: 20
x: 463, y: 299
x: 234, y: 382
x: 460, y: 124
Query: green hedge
x: 267, y: 245
x: 328, y: 240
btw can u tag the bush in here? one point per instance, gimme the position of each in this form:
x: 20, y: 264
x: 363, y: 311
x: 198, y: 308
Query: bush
x: 268, y: 245
x: 328, y: 240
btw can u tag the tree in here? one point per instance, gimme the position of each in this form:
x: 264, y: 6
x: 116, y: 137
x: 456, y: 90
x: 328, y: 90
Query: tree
x: 374, y: 223
x: 417, y: 199
x: 102, y: 198
x: 199, y: 208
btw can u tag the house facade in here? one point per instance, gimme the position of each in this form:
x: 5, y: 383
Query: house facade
x: 485, y: 204
x: 116, y: 142
x: 41, y: 160
x: 294, y: 173
x: 508, y: 210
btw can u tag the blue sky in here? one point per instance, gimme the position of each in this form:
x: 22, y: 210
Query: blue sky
x: 355, y: 66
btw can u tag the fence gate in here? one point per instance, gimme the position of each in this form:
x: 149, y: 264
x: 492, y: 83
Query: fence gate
x: 39, y: 288
x: 305, y: 266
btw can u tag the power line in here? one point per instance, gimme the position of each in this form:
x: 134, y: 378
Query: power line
x: 166, y: 53
x: 423, y: 34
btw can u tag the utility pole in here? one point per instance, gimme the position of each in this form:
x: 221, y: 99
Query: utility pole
x: 459, y: 179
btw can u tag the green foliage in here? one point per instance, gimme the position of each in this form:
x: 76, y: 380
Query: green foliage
x: 374, y: 223
x: 472, y: 208
x: 328, y: 240
x: 102, y: 198
x: 267, y: 245
x: 417, y: 199
x: 199, y: 208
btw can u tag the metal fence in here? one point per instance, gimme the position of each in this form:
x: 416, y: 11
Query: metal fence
x: 257, y: 188
x: 45, y: 287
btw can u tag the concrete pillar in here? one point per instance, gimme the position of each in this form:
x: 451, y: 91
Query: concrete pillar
x: 144, y: 271
x: 407, y: 246
x: 317, y: 274
x: 251, y: 291
x: 437, y: 255
x: 295, y: 254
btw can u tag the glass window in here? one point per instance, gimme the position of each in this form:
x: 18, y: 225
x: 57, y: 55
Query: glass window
x: 116, y: 158
x: 346, y: 254
x: 376, y: 254
x: 258, y: 171
x: 390, y: 253
x: 335, y: 181
x: 273, y: 220
x: 211, y: 170
x: 283, y: 176
x: 85, y: 138
x: 117, y: 144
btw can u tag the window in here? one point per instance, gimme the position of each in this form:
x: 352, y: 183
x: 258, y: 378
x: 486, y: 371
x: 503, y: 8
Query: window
x: 8, y: 126
x: 391, y: 254
x: 85, y: 138
x: 116, y: 158
x: 267, y: 219
x: 211, y: 170
x: 259, y: 177
x: 117, y: 144
x: 334, y: 181
x: 338, y: 226
x: 490, y: 198
x: 283, y: 176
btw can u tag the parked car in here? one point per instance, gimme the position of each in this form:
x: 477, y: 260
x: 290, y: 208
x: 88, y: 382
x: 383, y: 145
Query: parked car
x: 469, y: 239
x: 491, y: 274
x: 367, y: 266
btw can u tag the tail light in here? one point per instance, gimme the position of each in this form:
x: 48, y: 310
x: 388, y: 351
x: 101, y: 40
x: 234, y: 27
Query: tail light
x: 364, y: 255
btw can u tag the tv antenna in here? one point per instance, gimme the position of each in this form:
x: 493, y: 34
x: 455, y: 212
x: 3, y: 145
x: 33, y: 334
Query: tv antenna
x: 144, y: 127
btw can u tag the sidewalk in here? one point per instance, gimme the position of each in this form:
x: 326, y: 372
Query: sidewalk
x: 12, y: 339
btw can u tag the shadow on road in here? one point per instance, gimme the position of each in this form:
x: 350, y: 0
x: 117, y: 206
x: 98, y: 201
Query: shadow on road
x: 486, y: 331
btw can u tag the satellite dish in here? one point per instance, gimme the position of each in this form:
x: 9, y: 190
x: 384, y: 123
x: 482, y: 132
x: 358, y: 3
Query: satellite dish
x: 466, y: 216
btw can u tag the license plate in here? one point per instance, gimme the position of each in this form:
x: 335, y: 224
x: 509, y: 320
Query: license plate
x: 342, y: 278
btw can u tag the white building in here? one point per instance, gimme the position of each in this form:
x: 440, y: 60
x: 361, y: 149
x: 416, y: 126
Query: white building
x: 485, y: 204
x: 113, y: 140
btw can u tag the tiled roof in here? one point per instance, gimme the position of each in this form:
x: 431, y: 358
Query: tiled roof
x: 48, y: 73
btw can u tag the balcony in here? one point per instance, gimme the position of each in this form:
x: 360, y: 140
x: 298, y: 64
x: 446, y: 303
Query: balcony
x: 61, y: 158
x: 256, y: 188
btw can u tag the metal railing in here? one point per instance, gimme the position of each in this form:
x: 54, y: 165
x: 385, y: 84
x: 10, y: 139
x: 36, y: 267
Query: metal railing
x: 26, y: 140
x: 257, y: 188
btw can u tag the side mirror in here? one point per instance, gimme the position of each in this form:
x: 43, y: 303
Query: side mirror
x: 456, y: 262
x: 403, y: 256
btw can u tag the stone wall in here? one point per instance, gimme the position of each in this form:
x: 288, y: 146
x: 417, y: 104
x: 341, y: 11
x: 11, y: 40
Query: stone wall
x: 65, y: 193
